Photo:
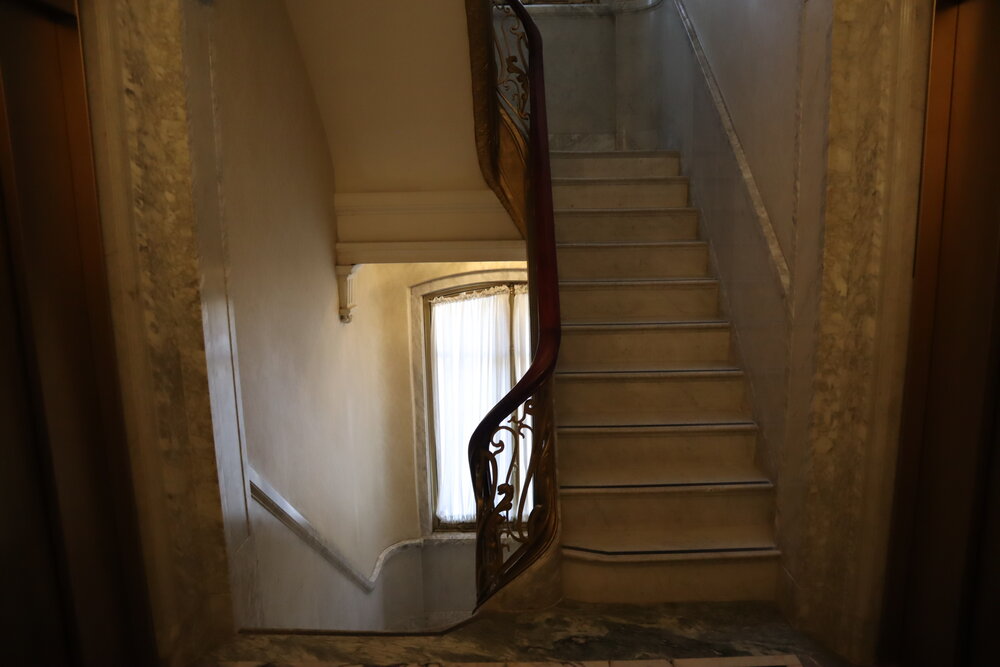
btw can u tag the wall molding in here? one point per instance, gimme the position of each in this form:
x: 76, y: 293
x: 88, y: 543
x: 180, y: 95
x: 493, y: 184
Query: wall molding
x: 778, y: 260
x: 284, y: 511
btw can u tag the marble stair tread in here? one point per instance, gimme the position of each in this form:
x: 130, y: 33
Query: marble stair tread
x: 625, y: 154
x: 609, y: 226
x: 745, y: 426
x: 761, y: 484
x: 648, y: 300
x: 611, y: 163
x: 652, y: 579
x: 650, y: 397
x: 692, y: 542
x: 645, y: 518
x: 662, y: 499
x: 618, y: 180
x: 727, y: 372
x: 627, y: 211
x: 646, y: 345
x: 655, y: 557
x: 639, y: 282
x: 657, y: 454
x: 653, y: 326
x: 619, y: 193
x: 656, y: 476
x: 612, y: 245
x: 665, y: 259
x: 679, y: 366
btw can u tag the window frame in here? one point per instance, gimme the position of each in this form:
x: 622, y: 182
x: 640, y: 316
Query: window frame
x: 423, y: 388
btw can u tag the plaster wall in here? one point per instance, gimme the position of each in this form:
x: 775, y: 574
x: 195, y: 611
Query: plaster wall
x: 579, y: 77
x: 393, y: 91
x: 753, y: 48
x: 325, y: 408
x: 303, y: 430
x: 425, y: 585
x: 756, y: 291
x: 601, y: 75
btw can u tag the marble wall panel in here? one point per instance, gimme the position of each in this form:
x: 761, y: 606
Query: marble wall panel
x: 137, y: 86
x: 878, y: 84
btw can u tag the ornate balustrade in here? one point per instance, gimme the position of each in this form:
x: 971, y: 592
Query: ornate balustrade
x: 512, y: 451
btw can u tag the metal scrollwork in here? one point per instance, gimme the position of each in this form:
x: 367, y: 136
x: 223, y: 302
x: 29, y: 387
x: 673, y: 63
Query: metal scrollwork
x: 510, y: 46
x: 515, y: 509
x: 512, y: 451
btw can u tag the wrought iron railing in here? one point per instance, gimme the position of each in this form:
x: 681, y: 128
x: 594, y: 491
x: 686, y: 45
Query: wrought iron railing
x: 512, y: 451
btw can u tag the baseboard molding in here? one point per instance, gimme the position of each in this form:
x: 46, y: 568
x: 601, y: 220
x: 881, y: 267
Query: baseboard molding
x: 430, y: 251
x: 280, y: 508
x: 778, y: 259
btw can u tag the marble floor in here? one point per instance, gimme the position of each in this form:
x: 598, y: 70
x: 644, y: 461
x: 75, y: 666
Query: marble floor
x: 569, y: 632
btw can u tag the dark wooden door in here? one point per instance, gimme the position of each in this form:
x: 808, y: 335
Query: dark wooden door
x: 33, y: 605
x: 74, y: 591
x: 945, y: 544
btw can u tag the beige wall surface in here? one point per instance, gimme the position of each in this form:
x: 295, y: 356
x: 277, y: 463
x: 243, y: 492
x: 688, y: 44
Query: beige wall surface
x: 753, y: 49
x: 393, y: 84
x: 326, y: 406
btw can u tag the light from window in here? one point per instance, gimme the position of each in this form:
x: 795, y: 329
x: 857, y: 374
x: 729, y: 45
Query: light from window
x: 480, y: 346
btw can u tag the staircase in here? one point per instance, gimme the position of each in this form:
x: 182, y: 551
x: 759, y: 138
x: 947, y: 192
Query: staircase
x: 661, y: 499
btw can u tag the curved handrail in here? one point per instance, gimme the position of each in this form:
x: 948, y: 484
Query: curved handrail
x: 533, y: 389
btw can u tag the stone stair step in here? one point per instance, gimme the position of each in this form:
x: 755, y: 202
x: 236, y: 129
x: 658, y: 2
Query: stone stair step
x: 707, y: 577
x: 615, y: 164
x: 624, y: 261
x: 610, y: 301
x: 626, y: 225
x: 595, y: 456
x: 661, y: 498
x: 650, y: 398
x: 617, y: 193
x: 671, y: 345
x: 673, y: 517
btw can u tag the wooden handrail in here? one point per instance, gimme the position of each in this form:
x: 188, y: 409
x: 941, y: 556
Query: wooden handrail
x: 533, y: 390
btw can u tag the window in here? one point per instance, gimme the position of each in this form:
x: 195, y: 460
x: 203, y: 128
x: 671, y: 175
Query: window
x: 479, y: 346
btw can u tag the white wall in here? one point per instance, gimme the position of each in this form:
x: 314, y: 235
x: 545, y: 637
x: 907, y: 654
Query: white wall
x: 326, y: 406
x: 601, y: 75
x: 393, y: 86
x: 579, y: 77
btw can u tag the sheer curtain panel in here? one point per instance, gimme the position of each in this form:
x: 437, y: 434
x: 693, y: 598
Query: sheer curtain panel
x: 477, y: 350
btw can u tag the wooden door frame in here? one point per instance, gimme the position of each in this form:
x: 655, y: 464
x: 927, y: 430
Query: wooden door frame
x: 106, y: 524
x: 912, y: 469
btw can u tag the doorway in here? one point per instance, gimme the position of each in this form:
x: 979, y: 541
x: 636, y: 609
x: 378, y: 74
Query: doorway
x: 74, y: 589
x: 944, y: 601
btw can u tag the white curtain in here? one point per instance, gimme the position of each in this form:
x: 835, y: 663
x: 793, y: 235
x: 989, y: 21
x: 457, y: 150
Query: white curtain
x: 471, y: 351
x: 522, y: 359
